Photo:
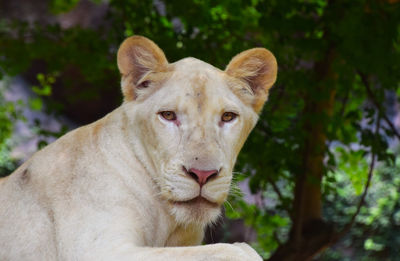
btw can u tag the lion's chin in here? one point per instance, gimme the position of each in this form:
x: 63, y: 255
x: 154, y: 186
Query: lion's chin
x: 197, y: 202
x: 195, y: 211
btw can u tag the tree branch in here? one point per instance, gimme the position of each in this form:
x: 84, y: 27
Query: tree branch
x: 367, y: 185
x: 280, y: 196
x: 376, y: 104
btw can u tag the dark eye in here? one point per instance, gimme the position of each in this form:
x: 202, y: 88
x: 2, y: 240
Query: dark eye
x: 168, y: 115
x: 228, y: 116
x: 144, y: 84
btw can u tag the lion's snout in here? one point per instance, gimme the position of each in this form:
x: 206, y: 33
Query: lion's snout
x: 201, y: 176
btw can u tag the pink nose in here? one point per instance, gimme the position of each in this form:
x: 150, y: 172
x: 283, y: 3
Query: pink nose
x: 202, y: 176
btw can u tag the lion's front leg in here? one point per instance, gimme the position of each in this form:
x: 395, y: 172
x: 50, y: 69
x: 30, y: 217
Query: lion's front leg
x: 221, y: 251
x: 121, y: 240
x: 214, y: 252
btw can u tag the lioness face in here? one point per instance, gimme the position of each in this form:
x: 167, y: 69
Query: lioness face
x: 192, y: 120
x: 193, y: 128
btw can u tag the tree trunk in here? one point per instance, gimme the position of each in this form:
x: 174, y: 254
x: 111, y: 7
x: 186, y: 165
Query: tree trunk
x: 310, y: 234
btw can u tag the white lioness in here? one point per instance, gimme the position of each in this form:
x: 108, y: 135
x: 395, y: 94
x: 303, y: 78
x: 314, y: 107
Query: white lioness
x: 144, y: 181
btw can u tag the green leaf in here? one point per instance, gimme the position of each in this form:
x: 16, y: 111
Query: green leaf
x: 36, y: 104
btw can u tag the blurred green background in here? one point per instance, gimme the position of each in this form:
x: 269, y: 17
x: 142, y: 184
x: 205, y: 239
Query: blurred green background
x: 321, y: 169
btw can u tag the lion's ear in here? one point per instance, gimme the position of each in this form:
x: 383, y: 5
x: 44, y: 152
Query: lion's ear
x: 136, y: 57
x: 257, y: 68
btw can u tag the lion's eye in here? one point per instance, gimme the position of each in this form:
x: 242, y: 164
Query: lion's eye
x: 144, y: 84
x: 168, y: 115
x: 228, y: 116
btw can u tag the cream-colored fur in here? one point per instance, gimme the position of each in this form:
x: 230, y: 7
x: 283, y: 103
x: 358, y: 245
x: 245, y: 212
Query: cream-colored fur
x: 117, y: 189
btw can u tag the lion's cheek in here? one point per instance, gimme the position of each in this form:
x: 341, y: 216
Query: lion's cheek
x: 218, y: 197
x: 160, y: 141
x: 240, y: 134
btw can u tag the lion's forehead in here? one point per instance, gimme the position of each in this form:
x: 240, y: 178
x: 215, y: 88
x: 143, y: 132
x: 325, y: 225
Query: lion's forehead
x: 193, y: 64
x: 199, y: 87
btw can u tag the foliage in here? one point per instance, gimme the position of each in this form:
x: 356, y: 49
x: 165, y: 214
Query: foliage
x: 338, y: 70
x: 375, y: 235
x: 8, y: 114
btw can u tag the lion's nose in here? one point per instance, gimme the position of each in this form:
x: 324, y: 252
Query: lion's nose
x: 202, y: 176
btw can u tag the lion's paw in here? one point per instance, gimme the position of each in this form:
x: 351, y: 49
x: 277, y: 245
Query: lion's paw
x: 250, y: 253
x: 237, y: 252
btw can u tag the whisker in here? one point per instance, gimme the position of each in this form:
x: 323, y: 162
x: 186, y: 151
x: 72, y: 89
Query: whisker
x: 229, y: 204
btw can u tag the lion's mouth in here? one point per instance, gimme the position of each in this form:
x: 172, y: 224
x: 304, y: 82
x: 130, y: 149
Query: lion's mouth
x: 199, y: 200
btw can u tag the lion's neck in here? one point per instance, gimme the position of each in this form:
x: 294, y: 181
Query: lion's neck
x: 130, y: 153
x: 188, y: 235
x: 129, y: 156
